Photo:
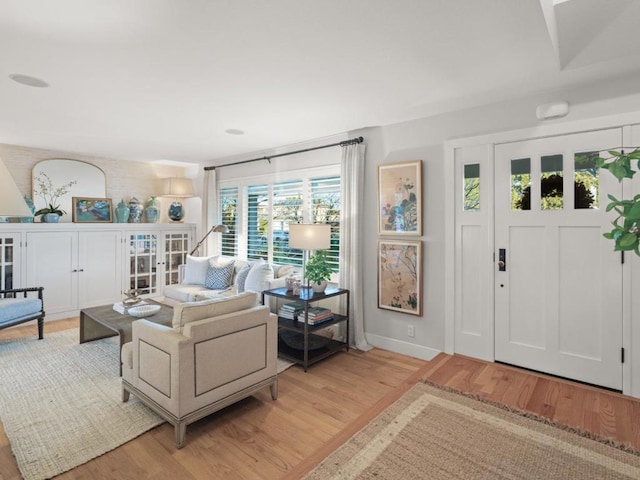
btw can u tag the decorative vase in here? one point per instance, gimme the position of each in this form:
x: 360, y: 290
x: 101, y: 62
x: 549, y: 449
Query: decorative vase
x: 176, y: 212
x: 153, y: 210
x: 30, y: 204
x: 319, y: 287
x: 50, y: 218
x: 135, y: 210
x: 122, y: 212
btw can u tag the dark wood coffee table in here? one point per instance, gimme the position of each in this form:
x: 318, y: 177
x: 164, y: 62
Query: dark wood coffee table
x: 104, y: 321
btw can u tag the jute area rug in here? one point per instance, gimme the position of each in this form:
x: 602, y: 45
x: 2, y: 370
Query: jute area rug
x: 434, y: 434
x: 61, y: 405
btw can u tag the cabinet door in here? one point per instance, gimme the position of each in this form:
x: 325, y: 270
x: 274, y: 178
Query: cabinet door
x: 176, y: 248
x: 10, y: 261
x: 99, y: 268
x: 143, y: 263
x: 52, y: 263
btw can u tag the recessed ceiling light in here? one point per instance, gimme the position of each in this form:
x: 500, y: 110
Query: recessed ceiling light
x: 27, y: 80
x: 234, y: 131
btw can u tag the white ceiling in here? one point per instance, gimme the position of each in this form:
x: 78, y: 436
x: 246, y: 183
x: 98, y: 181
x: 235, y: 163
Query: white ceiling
x: 164, y: 79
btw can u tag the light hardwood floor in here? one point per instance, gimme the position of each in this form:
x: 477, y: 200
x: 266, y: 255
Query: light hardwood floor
x: 317, y: 411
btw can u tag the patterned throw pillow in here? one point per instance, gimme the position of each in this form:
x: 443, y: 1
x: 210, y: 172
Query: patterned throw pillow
x: 219, y: 276
x: 241, y: 277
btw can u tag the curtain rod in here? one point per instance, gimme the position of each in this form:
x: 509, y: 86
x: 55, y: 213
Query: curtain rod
x: 344, y: 143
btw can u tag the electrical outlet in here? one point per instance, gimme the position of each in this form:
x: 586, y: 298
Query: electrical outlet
x: 411, y: 331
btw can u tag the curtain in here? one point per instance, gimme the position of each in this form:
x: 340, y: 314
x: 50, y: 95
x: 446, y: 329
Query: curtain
x: 209, y: 211
x: 351, y: 277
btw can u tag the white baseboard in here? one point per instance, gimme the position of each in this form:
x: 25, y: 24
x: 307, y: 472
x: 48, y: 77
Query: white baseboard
x: 405, y: 348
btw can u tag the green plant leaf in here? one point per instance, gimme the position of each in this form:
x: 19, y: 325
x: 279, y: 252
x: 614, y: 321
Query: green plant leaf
x: 628, y: 241
x: 634, y: 212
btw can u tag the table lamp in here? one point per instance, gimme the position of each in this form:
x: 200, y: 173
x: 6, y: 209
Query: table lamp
x: 177, y: 187
x: 308, y: 237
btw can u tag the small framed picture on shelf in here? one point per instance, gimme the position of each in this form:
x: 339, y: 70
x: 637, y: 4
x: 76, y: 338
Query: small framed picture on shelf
x: 92, y: 210
x: 400, y: 276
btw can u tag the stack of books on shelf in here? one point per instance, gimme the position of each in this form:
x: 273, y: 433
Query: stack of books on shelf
x: 291, y: 310
x: 317, y: 315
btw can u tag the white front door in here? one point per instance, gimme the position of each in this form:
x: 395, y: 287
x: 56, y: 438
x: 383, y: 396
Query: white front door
x: 558, y: 282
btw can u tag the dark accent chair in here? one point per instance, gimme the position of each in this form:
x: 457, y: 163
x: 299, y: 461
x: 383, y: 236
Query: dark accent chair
x: 18, y: 306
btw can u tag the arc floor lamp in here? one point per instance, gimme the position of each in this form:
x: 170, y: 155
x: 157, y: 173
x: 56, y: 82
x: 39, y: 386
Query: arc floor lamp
x: 214, y: 229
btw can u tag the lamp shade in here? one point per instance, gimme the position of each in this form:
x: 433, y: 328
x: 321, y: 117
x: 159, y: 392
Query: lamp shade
x: 310, y: 236
x: 177, y: 187
x: 12, y: 202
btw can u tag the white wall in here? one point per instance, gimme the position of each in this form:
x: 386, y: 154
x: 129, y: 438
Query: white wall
x: 424, y: 139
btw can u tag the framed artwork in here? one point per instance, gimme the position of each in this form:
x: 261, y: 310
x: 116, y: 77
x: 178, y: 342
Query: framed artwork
x: 400, y: 198
x: 400, y: 276
x: 86, y: 209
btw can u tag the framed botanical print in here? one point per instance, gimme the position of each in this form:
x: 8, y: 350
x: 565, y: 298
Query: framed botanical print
x: 400, y: 198
x: 400, y: 276
x: 93, y: 210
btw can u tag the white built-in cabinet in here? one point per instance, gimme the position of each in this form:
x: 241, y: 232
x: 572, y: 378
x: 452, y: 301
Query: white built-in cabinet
x: 84, y: 265
x: 9, y: 259
x: 154, y: 258
x: 76, y: 269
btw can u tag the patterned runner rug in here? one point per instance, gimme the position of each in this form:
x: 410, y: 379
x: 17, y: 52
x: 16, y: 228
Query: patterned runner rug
x: 436, y: 434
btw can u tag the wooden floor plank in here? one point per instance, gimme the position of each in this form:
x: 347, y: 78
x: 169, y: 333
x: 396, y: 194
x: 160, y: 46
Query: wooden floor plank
x: 319, y: 410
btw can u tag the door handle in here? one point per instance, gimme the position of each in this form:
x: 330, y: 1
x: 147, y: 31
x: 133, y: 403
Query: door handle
x: 502, y: 260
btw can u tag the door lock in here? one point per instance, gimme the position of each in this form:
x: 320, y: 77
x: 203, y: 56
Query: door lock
x: 502, y: 260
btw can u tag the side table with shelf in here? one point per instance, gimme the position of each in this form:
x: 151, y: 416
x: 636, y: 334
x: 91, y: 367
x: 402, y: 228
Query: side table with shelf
x: 310, y: 350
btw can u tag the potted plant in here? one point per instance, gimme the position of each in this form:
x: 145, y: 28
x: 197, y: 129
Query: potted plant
x: 51, y: 195
x: 318, y: 270
x: 626, y: 227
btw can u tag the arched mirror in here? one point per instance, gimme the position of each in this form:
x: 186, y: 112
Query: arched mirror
x: 90, y: 181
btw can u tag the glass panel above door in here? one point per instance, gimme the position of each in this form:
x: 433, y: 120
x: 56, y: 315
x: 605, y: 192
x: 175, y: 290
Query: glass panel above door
x: 551, y: 178
x: 586, y: 180
x: 471, y: 200
x: 521, y: 184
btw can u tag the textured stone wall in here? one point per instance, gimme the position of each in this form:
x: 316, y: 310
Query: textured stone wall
x: 125, y: 179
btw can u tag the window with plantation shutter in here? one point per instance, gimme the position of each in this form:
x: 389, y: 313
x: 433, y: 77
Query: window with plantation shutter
x: 229, y: 215
x: 258, y: 213
x: 259, y: 210
x: 325, y: 208
x: 287, y: 208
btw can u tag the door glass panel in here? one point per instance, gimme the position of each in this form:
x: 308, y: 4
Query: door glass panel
x: 521, y: 184
x: 471, y: 198
x: 551, y: 189
x: 586, y: 180
x: 176, y: 249
x: 6, y: 263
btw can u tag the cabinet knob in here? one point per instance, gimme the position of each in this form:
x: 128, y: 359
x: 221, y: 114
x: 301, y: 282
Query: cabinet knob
x: 75, y: 270
x: 81, y: 270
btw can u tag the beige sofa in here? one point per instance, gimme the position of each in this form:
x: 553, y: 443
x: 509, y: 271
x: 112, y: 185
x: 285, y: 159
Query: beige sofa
x: 217, y: 352
x: 191, y: 286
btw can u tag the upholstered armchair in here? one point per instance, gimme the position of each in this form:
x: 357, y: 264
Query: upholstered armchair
x: 216, y: 353
x: 19, y: 305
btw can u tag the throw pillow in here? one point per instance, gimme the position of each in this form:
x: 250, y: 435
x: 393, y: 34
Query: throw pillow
x: 193, y: 311
x: 195, y: 270
x: 241, y: 277
x: 219, y: 276
x: 259, y: 277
